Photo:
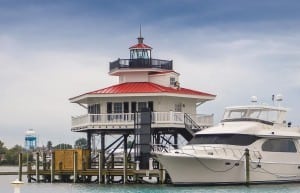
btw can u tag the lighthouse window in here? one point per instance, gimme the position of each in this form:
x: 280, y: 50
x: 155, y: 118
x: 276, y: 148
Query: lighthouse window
x: 133, y: 107
x: 172, y: 81
x: 279, y: 145
x: 94, y: 109
x: 118, y: 108
x: 150, y: 105
x: 141, y: 106
x: 126, y: 107
x: 178, y: 107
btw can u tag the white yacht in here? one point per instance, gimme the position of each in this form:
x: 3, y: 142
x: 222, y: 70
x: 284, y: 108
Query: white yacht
x: 216, y: 155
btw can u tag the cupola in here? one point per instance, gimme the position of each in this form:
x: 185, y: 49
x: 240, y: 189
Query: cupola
x: 140, y: 60
x: 140, y: 50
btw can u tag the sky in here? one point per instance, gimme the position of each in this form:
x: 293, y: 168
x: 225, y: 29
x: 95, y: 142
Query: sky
x: 53, y: 50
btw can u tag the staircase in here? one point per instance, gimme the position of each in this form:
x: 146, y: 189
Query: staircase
x: 190, y: 127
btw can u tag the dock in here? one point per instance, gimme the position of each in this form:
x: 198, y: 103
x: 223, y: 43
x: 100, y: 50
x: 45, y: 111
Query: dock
x: 65, y: 168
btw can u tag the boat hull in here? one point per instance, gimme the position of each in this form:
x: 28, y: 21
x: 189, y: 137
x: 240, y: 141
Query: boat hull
x: 191, y: 170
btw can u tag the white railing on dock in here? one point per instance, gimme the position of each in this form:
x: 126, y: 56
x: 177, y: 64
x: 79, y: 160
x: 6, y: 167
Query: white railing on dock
x: 162, y: 119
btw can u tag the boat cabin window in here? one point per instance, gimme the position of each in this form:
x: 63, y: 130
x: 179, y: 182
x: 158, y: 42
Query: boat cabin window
x: 234, y: 114
x: 228, y: 139
x: 279, y: 145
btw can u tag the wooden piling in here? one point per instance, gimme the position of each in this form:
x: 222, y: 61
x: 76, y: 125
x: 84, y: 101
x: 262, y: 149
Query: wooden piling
x: 161, y: 174
x: 44, y: 161
x: 20, y: 166
x: 99, y: 167
x: 52, y: 167
x: 29, y: 170
x: 175, y: 140
x: 74, y: 166
x: 125, y: 160
x: 102, y: 156
x: 247, y: 166
x: 37, y: 167
x: 112, y: 166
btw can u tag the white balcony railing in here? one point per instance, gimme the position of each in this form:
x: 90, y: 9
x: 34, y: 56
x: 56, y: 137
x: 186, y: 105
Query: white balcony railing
x: 126, y: 120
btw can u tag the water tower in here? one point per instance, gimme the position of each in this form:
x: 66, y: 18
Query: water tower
x: 30, y: 139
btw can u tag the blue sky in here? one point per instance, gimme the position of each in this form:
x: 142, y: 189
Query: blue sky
x: 53, y: 50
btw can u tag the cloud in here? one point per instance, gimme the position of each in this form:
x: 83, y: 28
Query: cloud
x: 236, y: 66
x: 36, y: 86
x: 46, y: 58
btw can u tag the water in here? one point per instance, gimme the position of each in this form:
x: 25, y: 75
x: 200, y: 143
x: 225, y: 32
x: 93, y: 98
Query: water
x: 6, y: 187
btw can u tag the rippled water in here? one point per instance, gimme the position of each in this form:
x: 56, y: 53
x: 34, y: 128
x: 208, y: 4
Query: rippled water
x: 6, y: 187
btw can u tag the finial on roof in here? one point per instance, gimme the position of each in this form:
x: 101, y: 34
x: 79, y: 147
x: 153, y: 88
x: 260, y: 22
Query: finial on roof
x: 140, y: 38
x: 140, y: 30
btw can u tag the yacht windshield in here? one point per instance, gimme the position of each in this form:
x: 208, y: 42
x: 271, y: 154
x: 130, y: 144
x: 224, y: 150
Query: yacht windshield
x: 228, y: 139
x: 263, y: 114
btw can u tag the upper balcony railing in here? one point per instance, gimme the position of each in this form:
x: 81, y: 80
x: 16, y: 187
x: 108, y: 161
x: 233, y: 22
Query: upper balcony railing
x: 126, y: 120
x: 141, y: 63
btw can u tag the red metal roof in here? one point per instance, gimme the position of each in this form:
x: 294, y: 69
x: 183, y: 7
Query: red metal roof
x: 140, y: 46
x: 146, y: 87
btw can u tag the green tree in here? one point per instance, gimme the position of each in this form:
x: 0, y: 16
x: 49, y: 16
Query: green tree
x: 3, y: 149
x: 63, y: 146
x: 12, y: 155
x: 81, y: 143
x: 49, y: 145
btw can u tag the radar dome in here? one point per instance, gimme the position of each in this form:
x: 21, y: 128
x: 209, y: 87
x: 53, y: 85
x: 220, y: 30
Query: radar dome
x: 254, y: 99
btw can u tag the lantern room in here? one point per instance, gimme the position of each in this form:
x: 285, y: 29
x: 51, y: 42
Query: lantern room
x: 140, y: 50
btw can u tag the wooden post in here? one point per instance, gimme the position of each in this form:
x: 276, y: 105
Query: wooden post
x: 102, y: 156
x: 89, y: 144
x: 125, y: 161
x: 52, y: 166
x: 99, y: 167
x: 161, y: 174
x: 20, y: 166
x: 112, y: 166
x: 89, y: 138
x: 175, y: 140
x: 37, y: 167
x: 247, y: 166
x: 44, y: 161
x: 29, y: 169
x: 75, y: 166
x: 44, y: 166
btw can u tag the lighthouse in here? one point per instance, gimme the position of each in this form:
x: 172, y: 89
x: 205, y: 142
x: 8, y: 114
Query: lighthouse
x: 145, y: 85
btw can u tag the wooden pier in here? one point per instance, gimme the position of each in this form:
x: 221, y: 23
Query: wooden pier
x: 92, y: 175
x: 72, y: 166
